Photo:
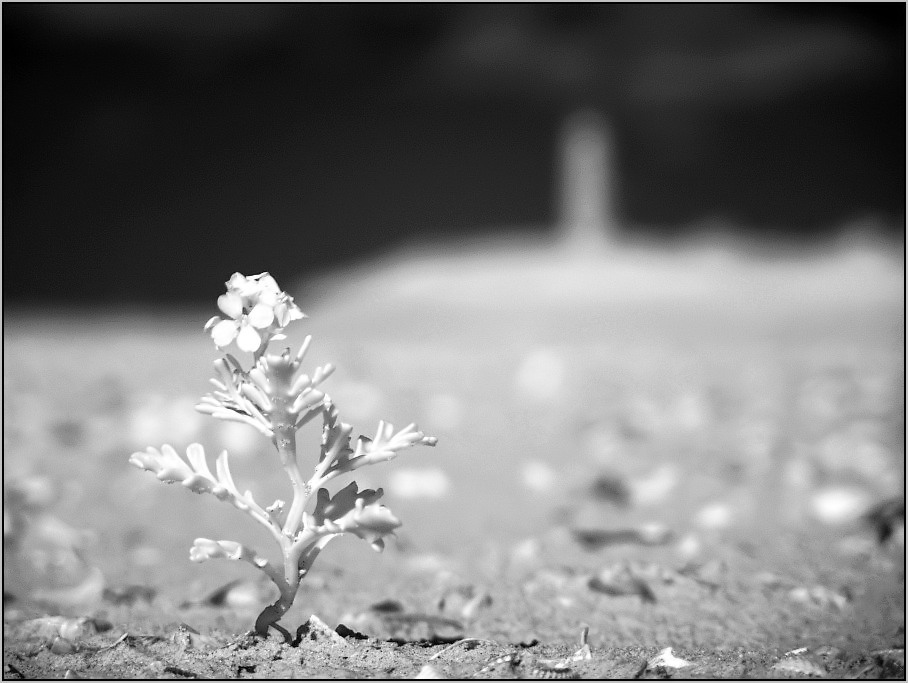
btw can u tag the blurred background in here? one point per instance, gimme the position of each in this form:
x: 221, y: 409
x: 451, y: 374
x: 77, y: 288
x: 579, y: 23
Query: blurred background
x: 639, y: 267
x: 151, y: 150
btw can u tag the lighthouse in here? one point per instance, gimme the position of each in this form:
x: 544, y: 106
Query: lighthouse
x: 586, y: 184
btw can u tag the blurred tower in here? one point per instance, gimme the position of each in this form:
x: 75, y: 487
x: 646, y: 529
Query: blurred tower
x: 586, y: 212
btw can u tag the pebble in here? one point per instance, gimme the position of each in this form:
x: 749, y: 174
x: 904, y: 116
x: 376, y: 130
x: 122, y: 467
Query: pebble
x: 819, y: 596
x: 61, y: 646
x: 541, y: 375
x: 429, y: 672
x: 317, y: 630
x: 45, y: 628
x: 667, y: 659
x: 837, y: 505
x: 464, y: 602
x: 857, y: 448
x: 622, y: 579
x: 655, y: 487
x: 538, y: 477
x: 74, y: 629
x: 714, y: 516
x: 689, y: 547
x: 799, y: 665
x: 527, y: 551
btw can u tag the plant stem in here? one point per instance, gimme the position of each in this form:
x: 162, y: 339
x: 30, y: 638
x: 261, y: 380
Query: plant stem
x: 285, y: 439
x: 287, y: 587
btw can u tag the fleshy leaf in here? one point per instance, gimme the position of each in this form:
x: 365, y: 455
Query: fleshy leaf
x: 165, y: 464
x: 170, y: 467
x: 386, y: 444
x: 335, y: 439
x: 370, y: 522
x: 206, y: 549
x: 331, y: 508
x: 355, y: 512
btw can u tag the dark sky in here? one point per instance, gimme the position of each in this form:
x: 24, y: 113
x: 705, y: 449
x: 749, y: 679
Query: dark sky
x: 150, y: 150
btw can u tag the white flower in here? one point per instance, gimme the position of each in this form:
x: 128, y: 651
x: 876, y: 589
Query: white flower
x: 257, y: 311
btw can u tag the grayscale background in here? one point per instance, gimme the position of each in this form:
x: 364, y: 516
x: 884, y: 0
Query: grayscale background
x: 640, y: 268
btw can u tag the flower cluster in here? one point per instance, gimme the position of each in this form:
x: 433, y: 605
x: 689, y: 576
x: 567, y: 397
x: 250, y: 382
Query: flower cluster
x: 258, y: 311
x: 276, y: 398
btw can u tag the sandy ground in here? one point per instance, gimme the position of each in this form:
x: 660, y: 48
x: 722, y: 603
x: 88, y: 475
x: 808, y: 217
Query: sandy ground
x: 671, y: 451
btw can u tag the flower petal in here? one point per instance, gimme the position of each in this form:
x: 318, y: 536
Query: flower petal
x: 223, y: 333
x: 231, y: 304
x: 269, y: 284
x: 248, y: 339
x: 236, y: 282
x: 287, y: 311
x: 261, y: 316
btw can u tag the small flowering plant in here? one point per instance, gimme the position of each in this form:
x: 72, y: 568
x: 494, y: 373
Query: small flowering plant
x: 277, y: 399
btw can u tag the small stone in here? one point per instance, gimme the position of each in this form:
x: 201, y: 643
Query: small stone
x: 245, y: 595
x: 667, y: 659
x: 541, y: 376
x: 715, y: 516
x: 689, y: 547
x: 429, y: 672
x: 75, y: 629
x: 538, y: 477
x: 799, y: 665
x: 464, y: 602
x: 45, y: 628
x: 527, y: 551
x: 345, y: 631
x: 655, y: 487
x: 317, y: 630
x: 621, y: 580
x: 61, y: 646
x: 819, y: 596
x: 387, y: 607
x: 839, y: 505
x: 654, y: 533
